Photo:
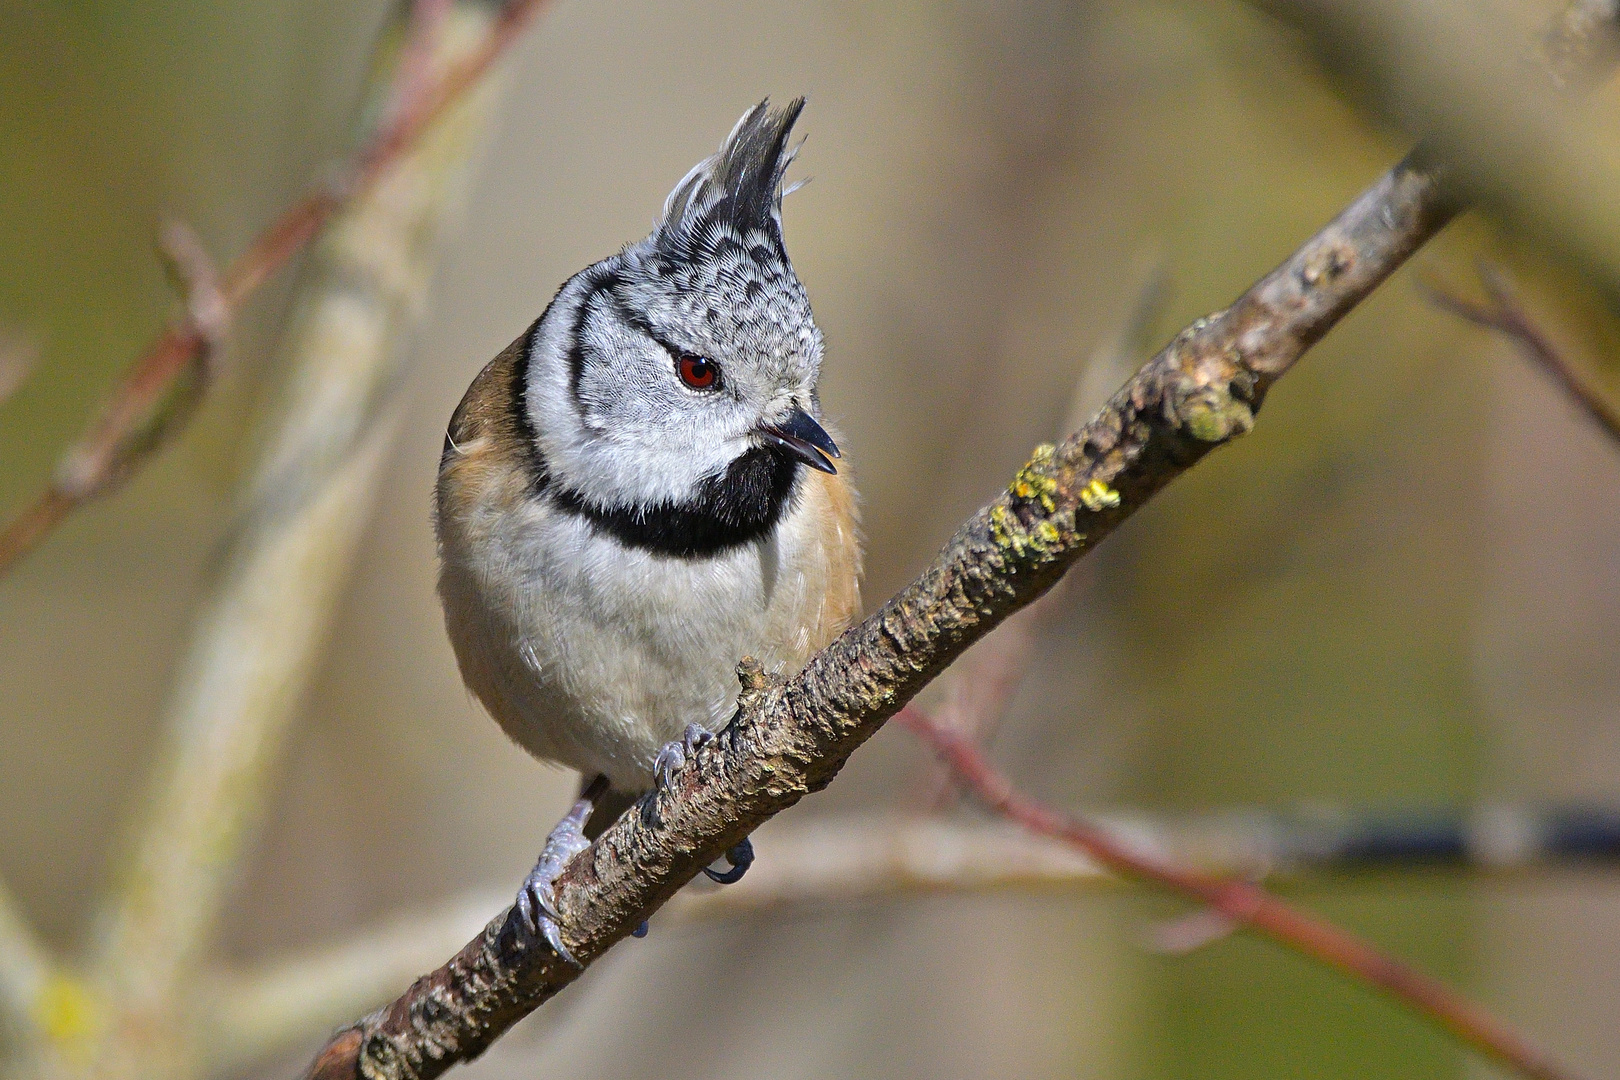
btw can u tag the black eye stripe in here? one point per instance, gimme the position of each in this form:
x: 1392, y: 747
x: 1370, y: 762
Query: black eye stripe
x: 602, y: 284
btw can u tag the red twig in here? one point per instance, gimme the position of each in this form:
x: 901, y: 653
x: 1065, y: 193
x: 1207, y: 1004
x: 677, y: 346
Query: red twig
x: 1242, y: 902
x: 1507, y: 315
x: 112, y: 446
x: 198, y: 279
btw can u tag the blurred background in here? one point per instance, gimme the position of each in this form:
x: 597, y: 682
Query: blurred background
x: 1400, y: 591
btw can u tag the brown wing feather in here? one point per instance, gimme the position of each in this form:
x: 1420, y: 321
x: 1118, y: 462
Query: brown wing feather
x: 841, y: 536
x: 485, y: 451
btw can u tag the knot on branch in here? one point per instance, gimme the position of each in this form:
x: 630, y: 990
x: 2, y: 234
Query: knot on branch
x: 1210, y: 393
x: 755, y: 680
x: 759, y: 686
x: 1326, y: 264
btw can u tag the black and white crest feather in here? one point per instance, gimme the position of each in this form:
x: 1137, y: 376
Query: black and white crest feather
x: 737, y: 190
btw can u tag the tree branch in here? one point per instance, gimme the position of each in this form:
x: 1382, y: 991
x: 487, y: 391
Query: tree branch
x: 133, y: 425
x: 1244, y: 903
x: 1507, y: 315
x: 787, y: 740
x: 257, y: 639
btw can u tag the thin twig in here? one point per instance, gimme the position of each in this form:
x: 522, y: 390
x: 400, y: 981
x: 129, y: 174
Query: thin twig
x: 1242, y: 902
x: 256, y: 641
x: 1507, y: 315
x: 117, y: 442
x: 194, y: 272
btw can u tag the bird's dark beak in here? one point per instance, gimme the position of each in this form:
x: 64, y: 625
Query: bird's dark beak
x: 801, y: 436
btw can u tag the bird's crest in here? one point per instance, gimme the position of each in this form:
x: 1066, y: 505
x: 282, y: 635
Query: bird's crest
x: 740, y: 186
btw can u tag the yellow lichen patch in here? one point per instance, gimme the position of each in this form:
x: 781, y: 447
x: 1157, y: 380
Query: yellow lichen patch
x: 1001, y: 533
x: 1032, y: 484
x: 66, y: 1012
x: 1010, y: 534
x: 1097, y: 495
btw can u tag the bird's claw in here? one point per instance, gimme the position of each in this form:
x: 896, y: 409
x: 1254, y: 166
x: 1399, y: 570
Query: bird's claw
x: 537, y: 899
x: 536, y: 907
x: 674, y: 755
x: 741, y: 857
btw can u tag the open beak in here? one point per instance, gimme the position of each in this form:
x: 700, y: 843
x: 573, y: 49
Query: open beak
x: 801, y: 436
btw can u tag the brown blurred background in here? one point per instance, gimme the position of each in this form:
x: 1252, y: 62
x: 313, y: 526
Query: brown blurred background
x: 1401, y: 590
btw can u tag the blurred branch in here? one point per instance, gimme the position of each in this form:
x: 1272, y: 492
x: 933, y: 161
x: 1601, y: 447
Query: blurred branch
x: 252, y: 1013
x: 258, y: 637
x: 134, y: 423
x: 1506, y: 314
x: 18, y: 355
x: 25, y: 966
x: 1460, y: 76
x: 1583, y: 44
x: 787, y: 740
x: 248, y: 1015
x: 206, y: 312
x: 257, y: 1012
x: 1240, y: 902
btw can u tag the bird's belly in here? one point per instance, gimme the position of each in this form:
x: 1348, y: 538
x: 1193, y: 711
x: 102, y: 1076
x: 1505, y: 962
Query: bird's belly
x: 597, y: 659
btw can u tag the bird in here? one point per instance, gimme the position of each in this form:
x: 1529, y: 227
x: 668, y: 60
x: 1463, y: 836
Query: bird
x: 641, y: 491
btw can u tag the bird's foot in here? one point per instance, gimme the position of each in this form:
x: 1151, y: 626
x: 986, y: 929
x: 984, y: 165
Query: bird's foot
x: 674, y: 756
x: 741, y: 857
x: 536, y: 901
x: 671, y: 759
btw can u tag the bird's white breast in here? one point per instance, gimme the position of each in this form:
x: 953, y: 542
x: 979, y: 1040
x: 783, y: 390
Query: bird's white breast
x: 594, y: 654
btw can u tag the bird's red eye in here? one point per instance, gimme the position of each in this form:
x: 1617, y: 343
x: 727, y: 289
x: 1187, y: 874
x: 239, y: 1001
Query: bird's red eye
x: 697, y: 372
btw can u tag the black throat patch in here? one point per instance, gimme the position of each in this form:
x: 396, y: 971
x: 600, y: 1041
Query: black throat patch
x: 737, y: 507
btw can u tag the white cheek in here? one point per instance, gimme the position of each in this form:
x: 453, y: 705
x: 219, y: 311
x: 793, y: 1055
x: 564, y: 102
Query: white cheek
x: 657, y: 455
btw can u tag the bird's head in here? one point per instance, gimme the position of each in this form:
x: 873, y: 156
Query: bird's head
x: 680, y: 374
